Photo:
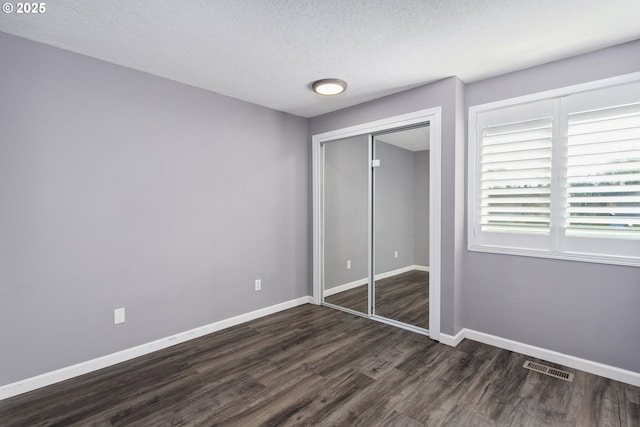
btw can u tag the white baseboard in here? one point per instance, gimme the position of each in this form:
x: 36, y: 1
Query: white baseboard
x: 360, y: 282
x: 400, y: 271
x: 345, y: 287
x: 48, y: 378
x: 596, y: 368
x: 452, y: 340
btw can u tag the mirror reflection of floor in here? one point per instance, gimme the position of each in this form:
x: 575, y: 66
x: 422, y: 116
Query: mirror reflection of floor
x: 404, y: 297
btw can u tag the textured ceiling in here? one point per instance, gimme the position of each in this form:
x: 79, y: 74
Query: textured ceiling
x: 269, y: 51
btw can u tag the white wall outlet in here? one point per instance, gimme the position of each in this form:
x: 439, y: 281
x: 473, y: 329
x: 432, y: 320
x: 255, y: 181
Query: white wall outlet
x: 348, y: 264
x: 258, y: 284
x: 118, y: 315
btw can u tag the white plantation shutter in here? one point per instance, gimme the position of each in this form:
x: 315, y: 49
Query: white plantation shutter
x: 558, y: 177
x: 516, y: 177
x: 603, y: 173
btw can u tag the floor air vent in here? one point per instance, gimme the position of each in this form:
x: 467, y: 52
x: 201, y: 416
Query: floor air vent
x: 547, y: 370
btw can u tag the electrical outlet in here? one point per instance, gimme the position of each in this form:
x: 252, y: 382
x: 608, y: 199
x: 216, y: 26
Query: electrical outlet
x: 396, y: 254
x: 348, y: 264
x: 258, y: 284
x: 118, y: 315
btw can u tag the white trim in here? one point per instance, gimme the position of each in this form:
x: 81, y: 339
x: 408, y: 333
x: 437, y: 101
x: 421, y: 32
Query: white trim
x: 345, y: 287
x: 435, y: 222
x: 350, y: 285
x: 400, y: 271
x: 371, y: 215
x: 567, y: 256
x: 452, y: 340
x: 596, y: 368
x: 378, y: 125
x: 434, y: 117
x: 316, y: 176
x: 48, y: 378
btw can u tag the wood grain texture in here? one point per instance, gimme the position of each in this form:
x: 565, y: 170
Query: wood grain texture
x: 317, y: 366
x: 403, y: 297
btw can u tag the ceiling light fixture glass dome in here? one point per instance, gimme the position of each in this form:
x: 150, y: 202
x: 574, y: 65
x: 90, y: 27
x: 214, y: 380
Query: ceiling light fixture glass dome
x: 329, y: 86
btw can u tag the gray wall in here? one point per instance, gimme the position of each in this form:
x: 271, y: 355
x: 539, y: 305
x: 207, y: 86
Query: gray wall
x: 394, y: 212
x: 583, y: 309
x: 346, y: 210
x: 421, y: 217
x: 446, y: 94
x: 120, y: 189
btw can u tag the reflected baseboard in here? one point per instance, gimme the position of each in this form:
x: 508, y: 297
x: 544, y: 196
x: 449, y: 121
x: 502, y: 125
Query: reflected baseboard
x: 345, y: 287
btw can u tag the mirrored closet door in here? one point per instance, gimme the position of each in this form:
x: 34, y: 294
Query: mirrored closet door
x: 346, y: 224
x: 401, y: 226
x: 375, y: 226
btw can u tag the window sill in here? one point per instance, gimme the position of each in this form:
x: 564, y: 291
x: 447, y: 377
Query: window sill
x: 563, y: 256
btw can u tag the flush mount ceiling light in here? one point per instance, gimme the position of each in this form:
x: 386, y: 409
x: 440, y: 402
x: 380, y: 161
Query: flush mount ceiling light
x: 329, y: 86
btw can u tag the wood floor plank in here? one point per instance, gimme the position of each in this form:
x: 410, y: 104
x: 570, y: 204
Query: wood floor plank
x: 376, y: 402
x: 275, y: 408
x: 447, y: 383
x: 403, y: 297
x: 332, y: 399
x: 462, y: 415
x: 397, y: 419
x: 316, y: 366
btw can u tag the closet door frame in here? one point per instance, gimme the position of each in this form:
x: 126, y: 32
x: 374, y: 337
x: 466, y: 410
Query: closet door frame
x: 432, y: 116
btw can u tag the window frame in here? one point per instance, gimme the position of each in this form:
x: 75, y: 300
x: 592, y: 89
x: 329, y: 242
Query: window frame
x: 525, y: 244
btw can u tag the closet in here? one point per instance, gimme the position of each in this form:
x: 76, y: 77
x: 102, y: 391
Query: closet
x: 374, y: 224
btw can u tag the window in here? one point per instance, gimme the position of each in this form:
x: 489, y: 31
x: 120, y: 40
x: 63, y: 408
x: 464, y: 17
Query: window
x: 603, y: 172
x: 558, y: 176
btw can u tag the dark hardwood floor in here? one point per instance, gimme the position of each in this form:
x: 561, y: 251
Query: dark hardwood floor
x: 314, y: 365
x: 403, y: 297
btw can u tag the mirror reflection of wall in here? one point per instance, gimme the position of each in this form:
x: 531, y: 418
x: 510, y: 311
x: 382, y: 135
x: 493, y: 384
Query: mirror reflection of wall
x: 346, y: 219
x: 421, y: 220
x: 402, y: 199
x: 401, y: 225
